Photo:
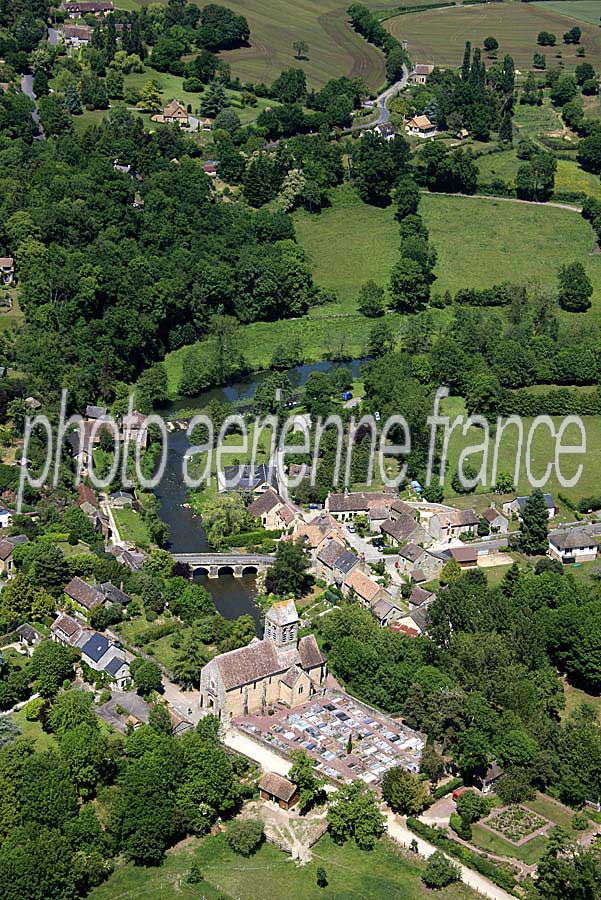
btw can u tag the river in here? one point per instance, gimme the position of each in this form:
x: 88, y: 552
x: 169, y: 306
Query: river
x: 232, y: 596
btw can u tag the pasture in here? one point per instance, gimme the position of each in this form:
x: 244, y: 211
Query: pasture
x: 584, y: 10
x: 439, y: 36
x: 352, y: 874
x: 334, y: 48
x: 478, y: 241
x: 569, y: 175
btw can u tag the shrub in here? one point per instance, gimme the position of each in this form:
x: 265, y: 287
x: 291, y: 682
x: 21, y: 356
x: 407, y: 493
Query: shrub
x: 580, y: 821
x: 448, y: 788
x: 33, y: 709
x: 245, y: 836
x: 440, y: 871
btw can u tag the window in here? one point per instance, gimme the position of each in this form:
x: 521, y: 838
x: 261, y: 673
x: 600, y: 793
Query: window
x: 300, y: 690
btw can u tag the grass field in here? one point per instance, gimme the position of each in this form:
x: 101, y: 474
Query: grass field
x: 131, y: 527
x: 439, y: 36
x: 584, y: 10
x: 11, y: 318
x: 569, y: 175
x: 542, y: 452
x: 575, y: 696
x: 334, y: 48
x: 352, y: 875
x: 352, y: 242
x: 531, y: 121
x: 34, y: 730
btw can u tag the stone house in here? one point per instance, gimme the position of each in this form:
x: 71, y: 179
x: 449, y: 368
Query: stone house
x: 420, y: 73
x: 367, y: 591
x: 444, y: 526
x: 498, y: 523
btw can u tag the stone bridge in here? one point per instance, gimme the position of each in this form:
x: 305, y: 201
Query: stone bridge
x: 216, y: 564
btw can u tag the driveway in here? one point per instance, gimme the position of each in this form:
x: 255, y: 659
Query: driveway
x: 381, y: 104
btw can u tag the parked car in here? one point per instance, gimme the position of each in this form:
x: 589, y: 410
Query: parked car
x: 347, y: 395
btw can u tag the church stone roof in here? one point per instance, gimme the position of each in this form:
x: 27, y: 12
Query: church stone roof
x: 310, y: 654
x: 258, y: 660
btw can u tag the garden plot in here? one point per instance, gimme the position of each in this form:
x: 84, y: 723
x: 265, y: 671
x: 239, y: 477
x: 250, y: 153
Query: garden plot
x: 517, y: 824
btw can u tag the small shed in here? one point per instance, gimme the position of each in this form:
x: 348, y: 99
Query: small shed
x: 278, y: 790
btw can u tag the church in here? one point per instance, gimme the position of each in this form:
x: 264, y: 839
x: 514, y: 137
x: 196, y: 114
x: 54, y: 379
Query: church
x: 280, y: 668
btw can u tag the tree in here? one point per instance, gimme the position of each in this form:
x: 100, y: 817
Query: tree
x: 302, y: 773
x: 589, y: 153
x: 407, y: 198
x: 321, y: 877
x: 371, y: 300
x: 575, y: 288
x: 539, y: 61
x: 573, y: 35
x: 382, y: 339
x: 301, y: 49
x: 70, y: 709
x: 409, y: 287
x: 289, y: 573
x: 432, y: 764
x: 374, y: 170
x: 150, y: 97
x: 245, y: 836
x: 404, y: 792
x: 535, y: 180
x: 353, y: 812
x: 450, y: 572
x: 440, y: 871
x: 146, y: 675
x: 506, y: 129
x: 564, y: 90
x: 546, y: 39
x: 290, y: 86
x: 227, y: 120
x: 491, y: 44
x: 535, y: 520
x: 584, y: 71
x: 213, y: 100
x: 51, y: 665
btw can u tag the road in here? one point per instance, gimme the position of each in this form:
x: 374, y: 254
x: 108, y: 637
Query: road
x: 571, y: 207
x: 381, y: 101
x: 27, y: 88
x: 53, y: 37
x: 398, y: 831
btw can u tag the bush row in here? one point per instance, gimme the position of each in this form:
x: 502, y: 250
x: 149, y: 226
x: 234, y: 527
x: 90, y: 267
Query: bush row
x: 501, y: 877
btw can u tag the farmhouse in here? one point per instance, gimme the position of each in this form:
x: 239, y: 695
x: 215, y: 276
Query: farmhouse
x: 280, y: 668
x: 344, y: 507
x: 103, y: 655
x: 66, y: 630
x: 421, y: 72
x: 173, y: 113
x: 334, y: 562
x: 272, y: 510
x: 572, y: 545
x: 77, y: 35
x: 467, y: 557
x: 421, y: 126
x: 247, y: 478
x: 444, y: 526
x: 402, y: 529
x: 83, y: 593
x: 79, y: 8
x: 385, y: 130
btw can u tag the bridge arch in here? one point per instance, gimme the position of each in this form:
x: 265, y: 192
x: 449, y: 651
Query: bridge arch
x: 200, y: 570
x: 225, y: 570
x: 250, y: 570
